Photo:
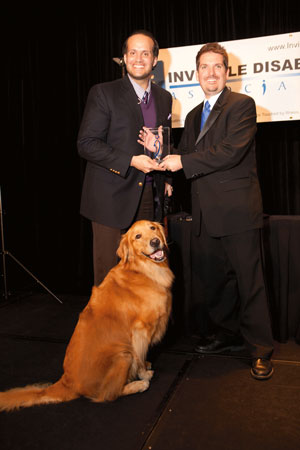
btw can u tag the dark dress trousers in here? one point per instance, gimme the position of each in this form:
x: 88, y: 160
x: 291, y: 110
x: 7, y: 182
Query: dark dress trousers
x: 108, y: 140
x: 227, y: 215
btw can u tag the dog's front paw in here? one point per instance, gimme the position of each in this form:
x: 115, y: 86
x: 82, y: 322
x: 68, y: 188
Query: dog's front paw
x: 144, y: 384
x: 149, y: 374
x: 135, y: 386
x: 148, y: 365
x: 146, y: 375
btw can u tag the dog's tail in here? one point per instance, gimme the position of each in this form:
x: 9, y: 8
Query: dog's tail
x: 36, y: 394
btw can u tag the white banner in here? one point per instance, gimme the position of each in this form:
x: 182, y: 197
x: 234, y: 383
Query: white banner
x: 265, y: 68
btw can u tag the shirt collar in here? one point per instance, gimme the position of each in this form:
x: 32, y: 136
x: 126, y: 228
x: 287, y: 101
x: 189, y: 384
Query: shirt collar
x: 212, y: 100
x: 138, y: 89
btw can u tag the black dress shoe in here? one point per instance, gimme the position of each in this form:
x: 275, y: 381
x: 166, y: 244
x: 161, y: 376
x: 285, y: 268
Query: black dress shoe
x: 219, y: 345
x: 204, y: 340
x: 262, y: 369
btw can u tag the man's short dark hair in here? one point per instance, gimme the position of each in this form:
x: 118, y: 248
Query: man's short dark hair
x: 155, y: 48
x: 214, y: 47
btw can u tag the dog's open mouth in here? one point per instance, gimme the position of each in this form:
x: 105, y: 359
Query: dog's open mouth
x: 157, y: 256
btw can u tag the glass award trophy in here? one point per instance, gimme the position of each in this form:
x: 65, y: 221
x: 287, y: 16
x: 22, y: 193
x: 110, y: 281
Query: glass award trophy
x: 158, y: 143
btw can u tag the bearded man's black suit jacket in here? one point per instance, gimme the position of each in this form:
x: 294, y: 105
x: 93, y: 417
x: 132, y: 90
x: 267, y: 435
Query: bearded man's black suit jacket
x: 107, y: 139
x: 222, y: 164
x: 226, y: 202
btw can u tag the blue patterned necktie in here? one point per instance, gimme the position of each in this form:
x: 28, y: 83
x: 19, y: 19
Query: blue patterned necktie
x: 205, y: 113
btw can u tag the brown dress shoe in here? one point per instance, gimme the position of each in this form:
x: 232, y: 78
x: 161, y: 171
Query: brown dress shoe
x: 262, y: 369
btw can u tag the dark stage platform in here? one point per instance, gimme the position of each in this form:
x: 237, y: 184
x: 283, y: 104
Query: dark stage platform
x: 193, y: 402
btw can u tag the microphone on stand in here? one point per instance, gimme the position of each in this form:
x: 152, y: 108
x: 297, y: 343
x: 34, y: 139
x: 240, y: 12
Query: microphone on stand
x: 120, y: 63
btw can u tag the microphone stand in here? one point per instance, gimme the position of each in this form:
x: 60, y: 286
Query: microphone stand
x: 120, y: 63
x: 6, y: 253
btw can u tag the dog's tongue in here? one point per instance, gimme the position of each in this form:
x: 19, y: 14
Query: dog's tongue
x: 157, y: 255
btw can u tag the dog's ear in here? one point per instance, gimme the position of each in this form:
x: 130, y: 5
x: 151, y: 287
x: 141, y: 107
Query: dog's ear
x: 123, y: 250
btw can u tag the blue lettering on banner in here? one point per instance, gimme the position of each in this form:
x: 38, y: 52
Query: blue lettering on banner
x: 248, y: 88
x: 175, y: 86
x: 235, y: 80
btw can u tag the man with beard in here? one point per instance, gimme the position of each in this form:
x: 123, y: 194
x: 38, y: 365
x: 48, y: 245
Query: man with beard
x: 217, y: 152
x: 120, y: 182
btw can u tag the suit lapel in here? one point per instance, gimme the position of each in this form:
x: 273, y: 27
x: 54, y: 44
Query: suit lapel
x: 215, y: 112
x: 131, y: 100
x: 197, y: 121
x: 130, y: 97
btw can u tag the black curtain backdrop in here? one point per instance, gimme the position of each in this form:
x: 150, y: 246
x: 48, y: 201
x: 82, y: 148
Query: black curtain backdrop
x: 52, y: 55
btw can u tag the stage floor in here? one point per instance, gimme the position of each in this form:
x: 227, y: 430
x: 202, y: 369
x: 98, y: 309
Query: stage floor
x: 193, y: 402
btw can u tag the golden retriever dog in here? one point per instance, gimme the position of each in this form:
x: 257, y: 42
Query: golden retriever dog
x: 127, y: 312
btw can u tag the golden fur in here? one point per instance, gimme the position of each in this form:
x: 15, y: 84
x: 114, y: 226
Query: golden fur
x: 128, y: 312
